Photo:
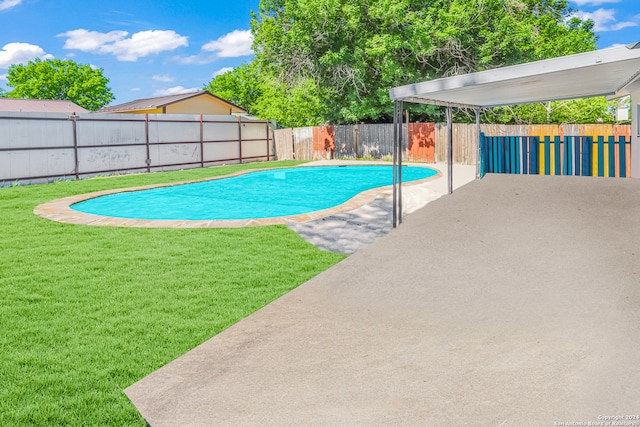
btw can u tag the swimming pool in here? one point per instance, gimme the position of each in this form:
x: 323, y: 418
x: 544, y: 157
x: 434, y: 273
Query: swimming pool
x: 259, y: 194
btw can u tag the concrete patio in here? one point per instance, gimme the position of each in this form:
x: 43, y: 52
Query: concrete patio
x: 514, y: 301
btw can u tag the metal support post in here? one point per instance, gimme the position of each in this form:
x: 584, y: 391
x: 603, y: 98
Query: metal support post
x: 450, y: 149
x: 74, y: 123
x: 478, y: 131
x: 400, y: 151
x: 397, y: 142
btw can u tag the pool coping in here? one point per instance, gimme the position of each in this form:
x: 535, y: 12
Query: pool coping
x: 60, y: 209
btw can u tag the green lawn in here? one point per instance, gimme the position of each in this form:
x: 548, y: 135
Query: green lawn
x: 87, y: 311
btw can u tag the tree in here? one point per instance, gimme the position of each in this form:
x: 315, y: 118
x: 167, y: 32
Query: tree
x: 239, y: 86
x: 63, y: 80
x: 289, y: 106
x: 353, y: 51
x: 297, y: 105
x: 574, y: 111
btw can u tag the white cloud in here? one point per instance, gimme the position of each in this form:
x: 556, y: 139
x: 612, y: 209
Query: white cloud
x: 594, y: 2
x: 139, y: 45
x: 175, y: 91
x: 622, y: 25
x: 7, y: 4
x: 21, y: 53
x: 147, y: 42
x: 165, y: 78
x: 605, y: 20
x: 135, y: 89
x: 3, y: 77
x: 231, y: 45
x: 221, y: 71
x: 91, y: 41
x: 195, y: 59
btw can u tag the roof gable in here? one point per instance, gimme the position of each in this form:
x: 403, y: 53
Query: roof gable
x: 161, y: 101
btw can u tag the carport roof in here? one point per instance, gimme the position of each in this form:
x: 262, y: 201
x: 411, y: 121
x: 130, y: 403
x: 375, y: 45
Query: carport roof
x: 606, y: 72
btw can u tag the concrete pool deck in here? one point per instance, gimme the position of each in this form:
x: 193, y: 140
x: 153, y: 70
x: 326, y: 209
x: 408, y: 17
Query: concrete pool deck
x: 349, y: 231
x: 514, y: 301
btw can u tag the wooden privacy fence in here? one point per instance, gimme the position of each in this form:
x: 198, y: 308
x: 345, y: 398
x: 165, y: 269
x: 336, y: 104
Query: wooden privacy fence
x: 375, y: 141
x: 427, y: 142
x: 569, y: 155
x: 37, y: 147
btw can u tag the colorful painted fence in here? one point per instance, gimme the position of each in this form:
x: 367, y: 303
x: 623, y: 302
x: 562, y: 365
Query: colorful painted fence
x: 427, y: 142
x: 556, y: 155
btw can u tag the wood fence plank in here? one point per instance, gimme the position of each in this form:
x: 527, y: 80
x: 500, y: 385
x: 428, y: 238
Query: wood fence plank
x: 611, y: 169
x: 600, y: 162
x: 622, y: 146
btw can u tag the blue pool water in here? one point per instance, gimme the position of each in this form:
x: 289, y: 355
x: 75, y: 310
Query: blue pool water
x: 260, y: 194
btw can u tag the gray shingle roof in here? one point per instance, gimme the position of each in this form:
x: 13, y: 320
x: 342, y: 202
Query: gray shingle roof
x: 157, y: 102
x: 40, y: 106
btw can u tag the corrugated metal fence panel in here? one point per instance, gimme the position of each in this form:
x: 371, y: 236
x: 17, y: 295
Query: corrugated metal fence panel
x: 110, y: 143
x: 35, y: 130
x: 109, y: 130
x: 41, y: 147
x: 35, y: 144
x: 176, y: 128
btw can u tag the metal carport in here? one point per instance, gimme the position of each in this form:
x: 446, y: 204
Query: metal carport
x: 613, y: 72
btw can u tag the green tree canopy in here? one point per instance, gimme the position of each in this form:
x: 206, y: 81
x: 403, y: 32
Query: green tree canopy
x: 353, y: 51
x: 63, y: 80
x: 573, y: 111
x: 263, y: 96
x: 239, y: 86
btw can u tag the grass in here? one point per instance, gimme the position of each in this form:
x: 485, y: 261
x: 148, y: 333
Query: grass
x: 87, y: 311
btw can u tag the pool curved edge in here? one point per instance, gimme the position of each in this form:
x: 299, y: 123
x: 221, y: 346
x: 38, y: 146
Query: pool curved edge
x: 60, y: 209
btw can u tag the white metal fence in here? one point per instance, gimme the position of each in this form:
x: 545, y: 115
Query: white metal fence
x: 41, y: 147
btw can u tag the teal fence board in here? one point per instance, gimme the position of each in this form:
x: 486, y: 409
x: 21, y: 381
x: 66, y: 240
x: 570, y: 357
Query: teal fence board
x: 623, y: 154
x: 572, y: 155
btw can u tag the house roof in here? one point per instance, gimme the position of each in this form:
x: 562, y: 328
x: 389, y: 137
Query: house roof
x: 39, y: 106
x: 159, y: 102
x: 606, y: 72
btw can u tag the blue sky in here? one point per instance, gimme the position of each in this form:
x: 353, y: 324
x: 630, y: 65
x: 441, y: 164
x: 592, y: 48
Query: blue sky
x: 153, y: 47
